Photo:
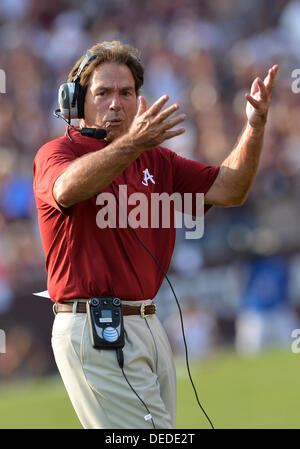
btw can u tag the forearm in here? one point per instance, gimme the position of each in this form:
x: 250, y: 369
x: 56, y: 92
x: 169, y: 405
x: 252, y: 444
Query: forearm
x: 91, y: 173
x: 238, y: 170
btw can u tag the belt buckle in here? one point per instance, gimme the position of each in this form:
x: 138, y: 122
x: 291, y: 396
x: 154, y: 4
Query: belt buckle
x: 142, y: 310
x: 54, y: 308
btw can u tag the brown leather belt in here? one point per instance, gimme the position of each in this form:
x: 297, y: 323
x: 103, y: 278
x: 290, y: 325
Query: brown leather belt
x: 143, y: 310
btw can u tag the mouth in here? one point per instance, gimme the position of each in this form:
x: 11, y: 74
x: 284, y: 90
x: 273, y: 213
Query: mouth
x: 114, y: 122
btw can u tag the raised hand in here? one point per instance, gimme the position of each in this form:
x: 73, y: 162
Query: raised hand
x: 150, y: 127
x: 259, y: 99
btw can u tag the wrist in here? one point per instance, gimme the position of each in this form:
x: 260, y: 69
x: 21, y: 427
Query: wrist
x: 129, y: 144
x: 256, y: 129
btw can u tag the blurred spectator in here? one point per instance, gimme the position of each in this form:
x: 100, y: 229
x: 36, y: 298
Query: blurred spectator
x: 266, y: 317
x: 24, y: 356
x: 16, y: 201
x: 200, y: 330
x: 6, y: 294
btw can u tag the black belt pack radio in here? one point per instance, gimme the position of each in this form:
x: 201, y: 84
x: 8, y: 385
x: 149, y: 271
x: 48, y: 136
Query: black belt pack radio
x: 105, y: 320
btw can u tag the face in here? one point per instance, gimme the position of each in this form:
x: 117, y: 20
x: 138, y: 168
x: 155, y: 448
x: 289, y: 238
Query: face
x: 110, y: 100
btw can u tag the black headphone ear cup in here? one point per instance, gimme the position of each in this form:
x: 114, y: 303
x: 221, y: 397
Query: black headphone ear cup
x: 77, y: 103
x: 80, y: 100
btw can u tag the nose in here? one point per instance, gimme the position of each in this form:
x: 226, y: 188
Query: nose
x: 115, y: 104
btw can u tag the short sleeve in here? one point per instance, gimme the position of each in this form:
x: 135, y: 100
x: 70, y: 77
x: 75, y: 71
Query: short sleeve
x: 49, y: 163
x: 191, y: 176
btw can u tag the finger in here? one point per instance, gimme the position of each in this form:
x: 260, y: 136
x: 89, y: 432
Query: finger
x: 267, y: 80
x: 142, y: 106
x: 156, y: 107
x: 166, y: 113
x: 270, y: 78
x: 176, y: 132
x: 252, y: 101
x: 173, y: 122
x: 262, y: 89
x: 254, y: 87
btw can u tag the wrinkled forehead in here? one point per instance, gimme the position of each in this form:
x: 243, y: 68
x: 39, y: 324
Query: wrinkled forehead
x: 111, y: 75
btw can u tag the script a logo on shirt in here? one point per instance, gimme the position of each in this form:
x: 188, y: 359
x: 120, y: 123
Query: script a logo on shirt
x: 147, y: 177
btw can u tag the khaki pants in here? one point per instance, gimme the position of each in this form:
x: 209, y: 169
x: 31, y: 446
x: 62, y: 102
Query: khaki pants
x: 94, y: 381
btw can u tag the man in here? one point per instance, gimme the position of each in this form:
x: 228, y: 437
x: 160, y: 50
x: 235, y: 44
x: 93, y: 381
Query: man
x: 84, y: 260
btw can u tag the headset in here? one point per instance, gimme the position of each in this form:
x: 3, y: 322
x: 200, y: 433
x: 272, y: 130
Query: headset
x: 71, y: 101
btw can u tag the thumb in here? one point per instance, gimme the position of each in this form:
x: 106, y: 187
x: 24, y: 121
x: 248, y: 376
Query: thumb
x: 142, y: 106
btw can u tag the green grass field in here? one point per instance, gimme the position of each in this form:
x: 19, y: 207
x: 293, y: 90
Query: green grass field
x: 236, y: 392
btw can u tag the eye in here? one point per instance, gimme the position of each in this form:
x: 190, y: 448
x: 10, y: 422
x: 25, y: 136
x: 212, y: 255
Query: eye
x: 126, y: 93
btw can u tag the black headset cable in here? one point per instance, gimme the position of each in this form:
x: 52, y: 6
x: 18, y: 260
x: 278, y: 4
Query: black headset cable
x: 179, y: 308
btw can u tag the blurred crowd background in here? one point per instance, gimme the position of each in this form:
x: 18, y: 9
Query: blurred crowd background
x: 239, y: 286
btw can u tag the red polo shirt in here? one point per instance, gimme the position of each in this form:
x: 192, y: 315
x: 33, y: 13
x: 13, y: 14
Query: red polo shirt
x: 82, y: 259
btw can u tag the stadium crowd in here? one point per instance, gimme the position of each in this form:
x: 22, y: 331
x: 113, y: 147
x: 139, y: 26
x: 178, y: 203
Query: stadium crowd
x: 204, y: 55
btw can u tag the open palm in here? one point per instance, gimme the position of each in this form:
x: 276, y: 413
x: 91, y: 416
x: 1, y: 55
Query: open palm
x: 260, y: 98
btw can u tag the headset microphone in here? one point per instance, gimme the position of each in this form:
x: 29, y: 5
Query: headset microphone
x: 97, y: 133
